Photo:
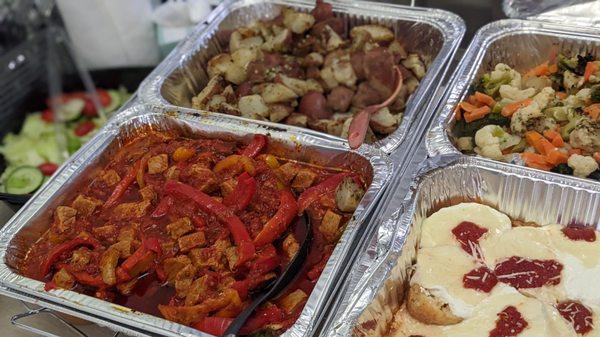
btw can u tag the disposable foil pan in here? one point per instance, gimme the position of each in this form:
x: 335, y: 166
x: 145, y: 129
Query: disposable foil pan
x: 33, y: 219
x: 380, y: 280
x: 433, y: 33
x: 521, y: 44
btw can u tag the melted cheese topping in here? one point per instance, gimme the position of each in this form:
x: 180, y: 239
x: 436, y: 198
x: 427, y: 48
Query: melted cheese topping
x: 542, y: 320
x: 437, y: 228
x: 440, y: 270
x: 442, y: 264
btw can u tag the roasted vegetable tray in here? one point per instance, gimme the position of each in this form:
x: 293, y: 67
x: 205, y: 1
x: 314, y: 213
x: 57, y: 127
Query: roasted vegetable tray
x: 380, y: 276
x: 433, y: 34
x: 521, y: 44
x: 33, y: 220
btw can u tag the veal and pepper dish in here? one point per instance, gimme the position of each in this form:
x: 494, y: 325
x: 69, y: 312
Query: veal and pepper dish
x: 480, y: 274
x: 190, y: 230
x: 309, y: 69
x: 546, y: 118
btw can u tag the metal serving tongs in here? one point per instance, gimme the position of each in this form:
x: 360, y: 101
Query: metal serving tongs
x: 288, y: 275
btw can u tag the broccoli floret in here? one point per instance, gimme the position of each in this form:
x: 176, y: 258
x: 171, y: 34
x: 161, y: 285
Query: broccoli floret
x: 491, y: 87
x: 557, y: 81
x: 565, y: 63
x: 563, y: 169
x: 595, y: 94
x: 582, y: 63
x: 464, y: 129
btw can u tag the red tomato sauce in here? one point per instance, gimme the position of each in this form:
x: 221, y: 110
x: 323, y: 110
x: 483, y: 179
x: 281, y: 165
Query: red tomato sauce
x: 523, y: 273
x: 481, y: 279
x: 468, y: 235
x: 577, y: 233
x: 580, y: 317
x: 510, y: 323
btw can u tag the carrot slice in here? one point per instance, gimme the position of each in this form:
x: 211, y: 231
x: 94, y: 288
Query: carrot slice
x: 484, y: 99
x: 476, y: 114
x: 575, y: 151
x: 556, y: 157
x: 590, y: 69
x: 539, y: 70
x: 553, y: 68
x: 463, y: 107
x: 554, y: 137
x: 596, y: 156
x: 541, y: 144
x: 593, y: 110
x: 458, y: 112
x: 473, y: 101
x: 537, y: 161
x: 511, y: 108
x: 561, y: 94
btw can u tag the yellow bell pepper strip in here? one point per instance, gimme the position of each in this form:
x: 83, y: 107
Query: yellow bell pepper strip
x: 235, y: 161
x: 258, y: 143
x: 287, y: 211
x: 223, y: 213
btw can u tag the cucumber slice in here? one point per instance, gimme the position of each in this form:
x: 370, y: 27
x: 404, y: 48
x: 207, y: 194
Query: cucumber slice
x: 71, y: 110
x: 115, y: 101
x: 24, y: 180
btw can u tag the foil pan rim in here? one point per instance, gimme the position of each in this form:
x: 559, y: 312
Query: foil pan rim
x: 380, y: 267
x: 139, y: 323
x: 437, y: 140
x: 450, y: 25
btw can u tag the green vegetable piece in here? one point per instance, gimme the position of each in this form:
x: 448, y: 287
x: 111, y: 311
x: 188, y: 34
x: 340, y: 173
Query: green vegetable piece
x: 595, y: 94
x: 565, y: 131
x: 562, y: 169
x: 464, y: 129
x: 565, y: 63
x: 24, y: 180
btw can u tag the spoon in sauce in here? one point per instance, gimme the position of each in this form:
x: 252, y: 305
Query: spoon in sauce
x: 302, y: 228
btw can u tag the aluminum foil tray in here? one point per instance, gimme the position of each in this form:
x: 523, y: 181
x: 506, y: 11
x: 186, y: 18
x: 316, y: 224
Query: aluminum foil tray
x: 32, y: 220
x: 521, y: 44
x: 433, y: 33
x: 380, y: 277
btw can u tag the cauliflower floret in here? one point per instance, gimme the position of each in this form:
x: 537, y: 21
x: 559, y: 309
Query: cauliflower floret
x: 582, y: 166
x: 586, y: 136
x: 521, y: 118
x: 544, y: 97
x: 570, y: 80
x: 584, y: 95
x: 465, y: 143
x: 514, y: 93
x: 502, y: 70
x: 492, y: 139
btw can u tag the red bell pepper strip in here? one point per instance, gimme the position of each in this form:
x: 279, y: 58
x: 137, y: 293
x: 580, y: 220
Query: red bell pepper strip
x: 257, y: 144
x: 125, y: 182
x: 87, y: 279
x: 214, y: 325
x: 317, y: 269
x: 223, y: 213
x: 65, y: 247
x: 265, y: 315
x: 152, y: 244
x: 288, y: 210
x: 243, y: 192
x: 163, y: 207
x: 313, y: 193
x: 48, y: 169
x: 265, y: 261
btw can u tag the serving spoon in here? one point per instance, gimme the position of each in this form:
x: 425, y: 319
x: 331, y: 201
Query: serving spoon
x: 286, y: 277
